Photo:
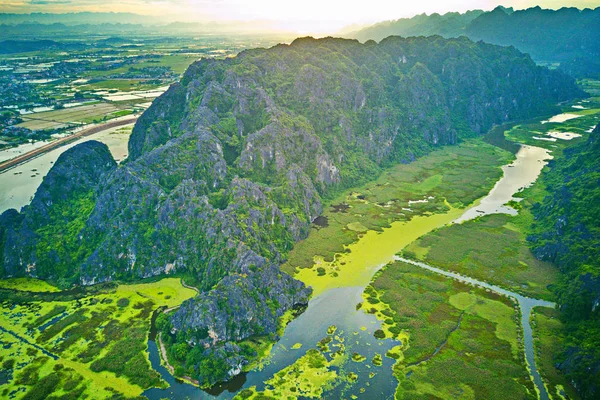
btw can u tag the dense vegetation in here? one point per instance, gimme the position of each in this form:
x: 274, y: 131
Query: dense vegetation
x: 567, y: 36
x: 471, y: 249
x: 455, y: 339
x: 229, y: 167
x: 566, y: 232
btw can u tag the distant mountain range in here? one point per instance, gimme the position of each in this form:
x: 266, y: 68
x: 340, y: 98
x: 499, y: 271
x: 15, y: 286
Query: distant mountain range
x: 23, y: 46
x: 565, y: 38
x: 569, y: 36
x: 39, y: 30
x: 78, y: 18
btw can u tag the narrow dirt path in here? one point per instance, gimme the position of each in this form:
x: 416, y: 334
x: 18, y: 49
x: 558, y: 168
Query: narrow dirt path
x: 163, y: 353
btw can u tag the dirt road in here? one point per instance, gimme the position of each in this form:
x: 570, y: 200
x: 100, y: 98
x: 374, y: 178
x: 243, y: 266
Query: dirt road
x: 62, y: 141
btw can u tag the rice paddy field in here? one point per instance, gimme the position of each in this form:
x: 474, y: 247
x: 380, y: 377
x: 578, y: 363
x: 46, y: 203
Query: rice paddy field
x: 178, y: 63
x: 72, y: 116
x: 592, y: 86
x: 492, y: 248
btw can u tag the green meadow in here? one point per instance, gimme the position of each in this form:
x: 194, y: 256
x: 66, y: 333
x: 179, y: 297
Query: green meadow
x: 456, y: 341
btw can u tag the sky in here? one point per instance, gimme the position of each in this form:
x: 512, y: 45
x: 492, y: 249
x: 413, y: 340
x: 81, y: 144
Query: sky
x: 298, y: 16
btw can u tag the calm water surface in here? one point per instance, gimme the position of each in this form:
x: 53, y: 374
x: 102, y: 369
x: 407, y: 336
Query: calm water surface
x: 334, y: 307
x: 520, y: 174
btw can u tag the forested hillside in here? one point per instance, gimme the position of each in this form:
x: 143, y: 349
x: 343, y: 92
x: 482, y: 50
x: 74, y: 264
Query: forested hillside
x: 449, y: 25
x: 567, y: 232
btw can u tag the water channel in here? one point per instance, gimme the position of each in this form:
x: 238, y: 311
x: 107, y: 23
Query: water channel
x: 336, y: 305
x: 526, y: 304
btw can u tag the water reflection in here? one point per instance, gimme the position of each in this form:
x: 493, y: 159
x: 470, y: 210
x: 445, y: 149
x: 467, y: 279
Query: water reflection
x: 336, y: 306
x: 522, y: 173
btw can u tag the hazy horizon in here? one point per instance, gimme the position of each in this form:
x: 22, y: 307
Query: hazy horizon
x: 309, y: 16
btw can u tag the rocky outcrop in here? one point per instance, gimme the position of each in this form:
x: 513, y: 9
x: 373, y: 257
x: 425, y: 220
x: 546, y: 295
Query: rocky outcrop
x: 240, y: 306
x: 73, y: 179
x: 559, y: 227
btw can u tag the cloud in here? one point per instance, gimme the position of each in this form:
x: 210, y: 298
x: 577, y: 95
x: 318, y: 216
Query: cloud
x: 49, y: 2
x: 311, y: 15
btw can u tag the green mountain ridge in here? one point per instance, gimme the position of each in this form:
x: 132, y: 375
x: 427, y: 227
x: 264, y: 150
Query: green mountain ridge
x: 229, y: 167
x: 566, y: 232
x: 567, y: 36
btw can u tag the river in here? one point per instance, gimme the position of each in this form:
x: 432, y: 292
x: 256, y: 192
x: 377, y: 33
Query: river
x: 19, y: 184
x: 520, y: 174
x: 334, y: 301
x: 337, y: 306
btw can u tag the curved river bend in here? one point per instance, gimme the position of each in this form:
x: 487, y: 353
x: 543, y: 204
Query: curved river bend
x: 337, y: 305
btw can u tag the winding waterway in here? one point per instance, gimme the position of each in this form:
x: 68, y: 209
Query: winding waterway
x: 526, y: 304
x: 519, y: 174
x: 334, y: 301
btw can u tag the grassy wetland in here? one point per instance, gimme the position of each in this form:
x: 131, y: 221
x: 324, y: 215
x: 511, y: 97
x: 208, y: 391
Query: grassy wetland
x: 444, y: 330
x: 77, y: 344
x: 419, y: 334
x: 438, y: 184
x: 457, y: 341
x: 427, y: 311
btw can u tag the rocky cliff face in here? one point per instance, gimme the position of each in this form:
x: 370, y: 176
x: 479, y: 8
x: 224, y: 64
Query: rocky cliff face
x: 559, y: 225
x: 60, y: 205
x: 228, y: 168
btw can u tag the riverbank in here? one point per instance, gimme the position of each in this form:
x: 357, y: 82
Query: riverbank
x: 350, y: 242
x: 11, y: 163
x: 165, y: 360
x: 19, y: 184
x: 364, y: 229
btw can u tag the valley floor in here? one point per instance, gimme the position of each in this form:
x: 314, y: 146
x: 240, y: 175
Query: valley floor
x: 450, y: 340
x: 375, y: 327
